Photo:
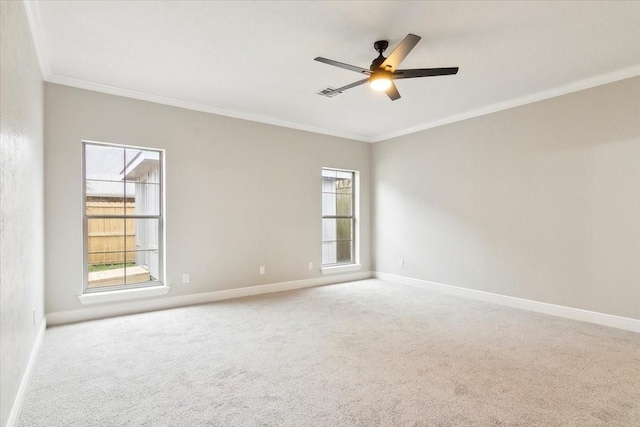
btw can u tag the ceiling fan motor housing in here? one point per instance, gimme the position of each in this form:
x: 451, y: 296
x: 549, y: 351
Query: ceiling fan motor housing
x: 380, y: 46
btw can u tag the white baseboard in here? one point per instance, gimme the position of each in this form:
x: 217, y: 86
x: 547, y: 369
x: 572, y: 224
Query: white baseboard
x: 19, y: 400
x: 120, y: 309
x: 619, y: 322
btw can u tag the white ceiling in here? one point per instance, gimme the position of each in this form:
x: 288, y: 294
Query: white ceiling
x: 254, y: 60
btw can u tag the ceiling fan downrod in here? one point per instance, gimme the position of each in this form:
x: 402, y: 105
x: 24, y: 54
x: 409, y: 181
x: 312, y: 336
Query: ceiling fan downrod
x: 380, y: 46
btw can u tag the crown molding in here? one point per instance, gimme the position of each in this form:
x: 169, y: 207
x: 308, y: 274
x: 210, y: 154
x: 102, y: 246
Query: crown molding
x: 37, y: 32
x: 143, y: 96
x: 35, y: 27
x: 590, y: 82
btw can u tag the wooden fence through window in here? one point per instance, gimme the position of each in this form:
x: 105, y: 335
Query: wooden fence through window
x: 107, y: 237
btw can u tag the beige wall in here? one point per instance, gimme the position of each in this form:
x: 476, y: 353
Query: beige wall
x: 239, y: 194
x: 21, y: 201
x: 539, y: 202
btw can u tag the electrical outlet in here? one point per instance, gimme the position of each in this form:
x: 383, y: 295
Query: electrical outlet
x: 401, y: 263
x: 185, y: 278
x: 34, y: 318
x: 262, y: 269
x: 310, y: 266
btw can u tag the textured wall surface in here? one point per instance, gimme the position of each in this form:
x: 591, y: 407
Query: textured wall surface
x: 21, y: 200
x: 239, y: 194
x: 539, y: 202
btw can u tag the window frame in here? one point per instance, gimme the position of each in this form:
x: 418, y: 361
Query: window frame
x: 139, y: 289
x: 354, y: 264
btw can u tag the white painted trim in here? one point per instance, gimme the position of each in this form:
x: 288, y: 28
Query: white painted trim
x: 614, y: 76
x: 35, y: 27
x: 610, y: 320
x: 19, y: 400
x: 37, y: 32
x: 102, y: 311
x: 341, y: 268
x: 143, y: 96
x: 123, y: 295
x: 590, y: 82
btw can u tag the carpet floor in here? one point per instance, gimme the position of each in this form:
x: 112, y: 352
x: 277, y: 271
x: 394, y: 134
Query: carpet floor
x: 366, y: 353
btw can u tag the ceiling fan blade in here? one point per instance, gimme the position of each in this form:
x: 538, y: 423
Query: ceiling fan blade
x: 424, y: 72
x: 349, y: 86
x: 400, y: 52
x: 343, y: 65
x: 392, y: 92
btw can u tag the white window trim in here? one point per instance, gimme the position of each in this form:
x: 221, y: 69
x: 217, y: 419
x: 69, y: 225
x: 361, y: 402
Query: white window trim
x: 123, y: 294
x: 344, y: 268
x: 355, y: 265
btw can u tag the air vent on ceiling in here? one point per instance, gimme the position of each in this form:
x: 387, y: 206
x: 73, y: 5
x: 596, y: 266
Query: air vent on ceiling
x: 327, y: 93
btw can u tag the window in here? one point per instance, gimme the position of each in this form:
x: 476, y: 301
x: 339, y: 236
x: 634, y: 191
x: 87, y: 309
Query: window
x: 338, y: 217
x: 123, y: 219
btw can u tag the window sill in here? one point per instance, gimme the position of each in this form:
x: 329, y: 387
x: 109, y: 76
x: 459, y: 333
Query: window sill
x: 123, y: 295
x: 335, y: 269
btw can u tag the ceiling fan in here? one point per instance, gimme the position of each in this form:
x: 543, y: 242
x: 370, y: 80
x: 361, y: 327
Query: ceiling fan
x: 383, y: 70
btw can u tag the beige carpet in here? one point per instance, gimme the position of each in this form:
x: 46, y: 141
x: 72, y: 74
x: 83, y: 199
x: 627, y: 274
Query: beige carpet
x: 366, y: 353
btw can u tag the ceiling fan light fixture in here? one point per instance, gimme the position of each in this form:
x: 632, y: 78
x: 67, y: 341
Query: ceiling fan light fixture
x: 380, y: 80
x: 383, y: 71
